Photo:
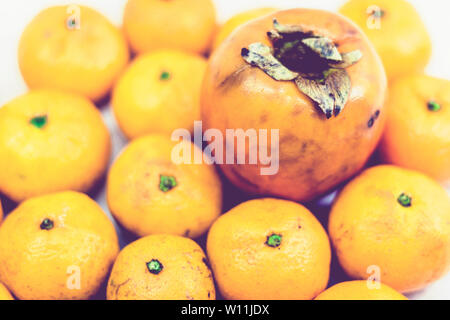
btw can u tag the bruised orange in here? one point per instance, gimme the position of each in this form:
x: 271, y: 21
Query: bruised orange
x: 161, y: 267
x: 397, y: 32
x: 394, y: 224
x: 360, y: 290
x: 315, y: 153
x: 417, y: 134
x: 72, y: 48
x: 236, y: 21
x: 187, y: 25
x: 269, y: 249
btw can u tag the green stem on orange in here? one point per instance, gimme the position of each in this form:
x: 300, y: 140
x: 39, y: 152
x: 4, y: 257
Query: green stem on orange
x: 274, y: 240
x: 167, y: 183
x: 404, y: 200
x: 154, y: 266
x: 164, y: 76
x: 39, y: 121
x: 433, y: 106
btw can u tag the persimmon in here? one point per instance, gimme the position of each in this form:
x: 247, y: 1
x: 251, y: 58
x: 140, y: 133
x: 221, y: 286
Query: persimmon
x: 397, y: 32
x: 417, y: 133
x: 311, y: 74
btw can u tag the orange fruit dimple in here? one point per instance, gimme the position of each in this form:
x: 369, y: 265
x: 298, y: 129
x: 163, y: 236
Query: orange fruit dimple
x: 73, y: 48
x: 57, y: 246
x: 186, y: 25
x: 4, y: 293
x: 161, y: 267
x: 51, y: 141
x: 359, y: 290
x: 396, y: 221
x: 239, y: 19
x: 417, y: 134
x: 397, y: 32
x: 269, y: 249
x: 149, y: 193
x: 159, y: 93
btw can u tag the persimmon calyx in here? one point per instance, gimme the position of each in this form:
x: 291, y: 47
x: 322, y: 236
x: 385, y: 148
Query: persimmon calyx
x: 311, y: 60
x: 260, y: 55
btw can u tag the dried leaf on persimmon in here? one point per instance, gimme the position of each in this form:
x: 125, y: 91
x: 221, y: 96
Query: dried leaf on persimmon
x: 324, y: 47
x: 260, y: 55
x: 348, y: 59
x: 331, y: 94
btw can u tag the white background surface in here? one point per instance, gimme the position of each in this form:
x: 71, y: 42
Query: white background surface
x: 15, y: 14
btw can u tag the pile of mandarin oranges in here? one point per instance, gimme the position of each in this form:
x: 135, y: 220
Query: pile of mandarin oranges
x: 169, y: 65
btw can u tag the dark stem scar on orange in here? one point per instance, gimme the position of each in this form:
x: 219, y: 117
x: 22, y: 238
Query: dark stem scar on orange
x: 380, y: 13
x: 274, y: 240
x: 47, y: 224
x: 404, y: 200
x: 167, y: 183
x: 154, y: 266
x: 39, y: 121
x: 72, y: 23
